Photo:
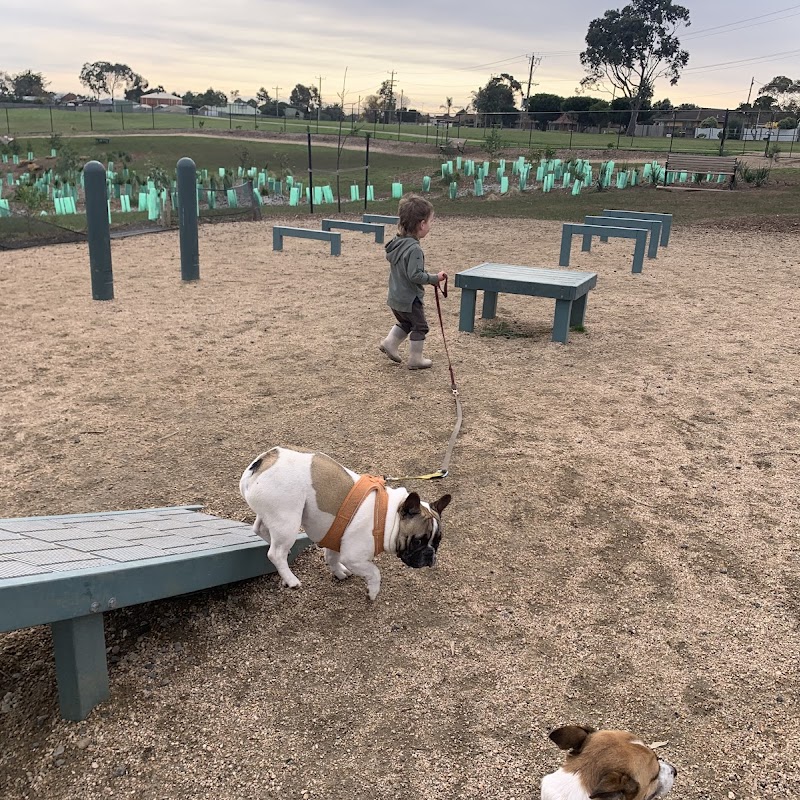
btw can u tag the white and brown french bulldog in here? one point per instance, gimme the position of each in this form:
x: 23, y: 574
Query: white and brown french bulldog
x: 606, y: 765
x: 288, y: 489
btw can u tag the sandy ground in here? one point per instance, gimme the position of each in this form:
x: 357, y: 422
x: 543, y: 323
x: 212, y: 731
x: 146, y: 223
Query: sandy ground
x: 621, y: 550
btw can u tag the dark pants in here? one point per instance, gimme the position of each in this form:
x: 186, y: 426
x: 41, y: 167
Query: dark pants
x: 413, y: 322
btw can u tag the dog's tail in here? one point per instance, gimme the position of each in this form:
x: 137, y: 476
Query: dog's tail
x: 244, y: 481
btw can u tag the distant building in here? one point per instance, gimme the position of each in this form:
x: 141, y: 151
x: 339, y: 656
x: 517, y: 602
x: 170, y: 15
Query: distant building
x: 161, y: 99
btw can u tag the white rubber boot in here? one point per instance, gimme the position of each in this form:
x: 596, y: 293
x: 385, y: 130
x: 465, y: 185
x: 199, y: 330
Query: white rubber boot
x: 415, y: 358
x: 393, y: 340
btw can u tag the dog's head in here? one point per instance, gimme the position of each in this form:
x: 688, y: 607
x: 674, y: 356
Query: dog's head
x: 606, y: 765
x: 420, y: 531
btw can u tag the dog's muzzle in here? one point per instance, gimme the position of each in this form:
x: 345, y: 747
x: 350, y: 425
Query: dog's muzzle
x: 423, y: 557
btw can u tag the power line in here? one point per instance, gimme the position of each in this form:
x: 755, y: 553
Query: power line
x: 718, y: 28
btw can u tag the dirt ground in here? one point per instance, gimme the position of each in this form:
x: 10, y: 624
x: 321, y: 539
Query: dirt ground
x: 621, y: 549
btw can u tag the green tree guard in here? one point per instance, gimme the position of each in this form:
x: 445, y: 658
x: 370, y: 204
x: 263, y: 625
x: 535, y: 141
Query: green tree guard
x: 187, y: 216
x: 94, y: 176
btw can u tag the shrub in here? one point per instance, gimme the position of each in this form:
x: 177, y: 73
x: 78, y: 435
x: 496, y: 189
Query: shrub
x: 494, y: 143
x: 787, y: 123
x: 709, y: 122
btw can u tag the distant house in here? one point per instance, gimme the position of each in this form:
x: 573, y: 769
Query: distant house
x: 683, y: 123
x: 65, y: 97
x: 242, y: 109
x: 160, y: 99
x: 566, y: 122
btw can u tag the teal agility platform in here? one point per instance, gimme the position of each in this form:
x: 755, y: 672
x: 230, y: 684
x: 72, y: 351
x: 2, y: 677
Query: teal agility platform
x: 382, y: 219
x: 279, y: 232
x: 66, y: 571
x: 621, y: 222
x: 664, y: 219
x: 568, y: 288
x: 571, y: 229
x: 363, y: 227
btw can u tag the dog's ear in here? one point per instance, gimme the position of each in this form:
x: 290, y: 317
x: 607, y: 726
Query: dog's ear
x: 410, y: 506
x: 441, y: 504
x: 571, y: 737
x: 615, y: 785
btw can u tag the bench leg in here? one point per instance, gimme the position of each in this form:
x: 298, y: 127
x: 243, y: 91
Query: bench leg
x: 466, y: 317
x: 561, y: 321
x: 638, y: 253
x: 666, y: 228
x: 81, y: 670
x: 652, y: 249
x: 586, y: 247
x: 489, y: 305
x: 566, y: 244
x: 277, y: 240
x: 578, y: 312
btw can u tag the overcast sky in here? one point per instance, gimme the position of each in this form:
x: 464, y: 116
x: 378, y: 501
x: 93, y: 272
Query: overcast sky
x: 436, y: 49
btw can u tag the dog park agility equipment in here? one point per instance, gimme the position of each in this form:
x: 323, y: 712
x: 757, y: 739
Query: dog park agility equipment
x: 383, y: 219
x: 363, y: 227
x: 664, y: 219
x: 568, y: 288
x: 654, y: 226
x: 66, y: 571
x: 281, y: 231
x: 570, y: 229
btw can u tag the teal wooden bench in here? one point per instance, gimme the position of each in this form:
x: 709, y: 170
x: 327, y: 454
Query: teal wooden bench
x: 654, y: 226
x: 279, y: 232
x: 382, y: 219
x: 568, y: 288
x: 570, y: 229
x: 363, y: 227
x: 66, y: 571
x: 664, y: 219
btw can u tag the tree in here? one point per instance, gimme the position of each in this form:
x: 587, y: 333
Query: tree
x: 210, y: 97
x: 301, y: 98
x: 497, y: 97
x: 764, y: 102
x: 448, y: 105
x: 710, y: 122
x: 387, y: 100
x: 6, y: 88
x: 371, y: 108
x: 782, y: 88
x: 787, y: 123
x: 543, y: 108
x: 634, y: 47
x: 28, y: 84
x: 103, y: 77
x: 137, y: 87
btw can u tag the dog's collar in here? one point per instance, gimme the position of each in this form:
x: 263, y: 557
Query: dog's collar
x: 355, y: 497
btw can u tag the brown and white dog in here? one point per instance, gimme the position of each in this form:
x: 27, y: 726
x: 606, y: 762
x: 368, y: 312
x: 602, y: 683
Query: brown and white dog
x: 288, y: 489
x: 606, y: 765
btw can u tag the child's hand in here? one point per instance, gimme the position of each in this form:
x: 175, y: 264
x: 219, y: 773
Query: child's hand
x: 441, y: 276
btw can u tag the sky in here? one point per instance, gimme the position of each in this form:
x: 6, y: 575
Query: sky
x: 431, y: 50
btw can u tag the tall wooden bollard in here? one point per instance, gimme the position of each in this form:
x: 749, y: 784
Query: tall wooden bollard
x: 187, y: 216
x: 99, y: 234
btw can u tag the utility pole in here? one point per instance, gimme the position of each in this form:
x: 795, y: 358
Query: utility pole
x: 534, y: 63
x: 319, y: 99
x: 752, y: 81
x: 277, y: 89
x: 391, y: 97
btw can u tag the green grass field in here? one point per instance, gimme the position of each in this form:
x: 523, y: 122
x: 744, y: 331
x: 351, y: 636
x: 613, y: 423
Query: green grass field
x: 22, y: 122
x: 777, y: 198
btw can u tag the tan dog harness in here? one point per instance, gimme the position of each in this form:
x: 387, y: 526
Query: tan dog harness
x: 355, y: 497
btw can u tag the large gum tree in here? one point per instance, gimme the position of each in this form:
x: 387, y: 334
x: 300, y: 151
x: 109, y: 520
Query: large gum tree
x: 633, y: 47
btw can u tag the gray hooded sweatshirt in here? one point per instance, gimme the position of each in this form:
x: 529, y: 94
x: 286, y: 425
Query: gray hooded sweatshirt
x: 407, y: 276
